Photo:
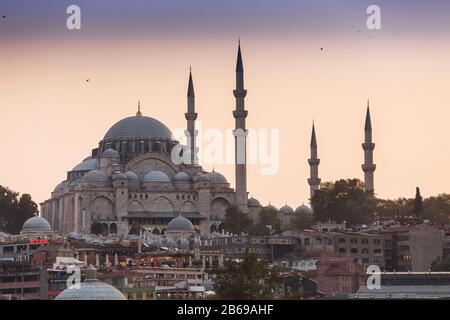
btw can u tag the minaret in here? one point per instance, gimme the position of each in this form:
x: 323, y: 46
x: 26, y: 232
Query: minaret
x: 368, y: 146
x: 240, y: 134
x: 313, y: 181
x: 191, y: 116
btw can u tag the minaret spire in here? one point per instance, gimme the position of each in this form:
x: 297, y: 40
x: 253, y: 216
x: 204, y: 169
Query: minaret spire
x: 368, y: 147
x: 240, y: 134
x: 314, y: 180
x: 139, y: 113
x: 191, y: 116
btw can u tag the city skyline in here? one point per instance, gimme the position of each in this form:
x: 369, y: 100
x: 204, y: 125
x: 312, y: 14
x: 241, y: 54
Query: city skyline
x: 52, y: 113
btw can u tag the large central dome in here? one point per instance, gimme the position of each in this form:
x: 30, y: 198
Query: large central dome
x: 138, y: 127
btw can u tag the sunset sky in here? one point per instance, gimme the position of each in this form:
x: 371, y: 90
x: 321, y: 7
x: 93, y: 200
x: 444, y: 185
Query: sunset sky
x: 134, y: 50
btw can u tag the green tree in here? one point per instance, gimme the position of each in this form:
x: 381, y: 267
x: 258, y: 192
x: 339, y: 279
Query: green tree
x: 15, y: 210
x: 251, y: 279
x: 268, y: 222
x: 236, y: 221
x: 301, y: 221
x: 437, y: 209
x: 343, y: 200
x: 418, y: 204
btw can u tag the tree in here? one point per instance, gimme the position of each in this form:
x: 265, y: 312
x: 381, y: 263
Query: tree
x: 250, y: 279
x: 301, y: 221
x: 268, y: 222
x: 15, y: 210
x: 343, y: 200
x: 418, y: 205
x: 236, y: 221
x: 437, y: 209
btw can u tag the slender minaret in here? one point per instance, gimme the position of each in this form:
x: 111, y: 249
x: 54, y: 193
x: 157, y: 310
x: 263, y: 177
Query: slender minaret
x: 191, y: 116
x: 368, y: 146
x: 313, y: 181
x: 240, y: 134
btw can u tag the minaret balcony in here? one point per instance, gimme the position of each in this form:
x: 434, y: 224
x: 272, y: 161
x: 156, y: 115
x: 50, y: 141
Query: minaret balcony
x: 240, y: 93
x: 314, y: 181
x: 313, y: 162
x: 368, y: 146
x: 240, y: 114
x: 369, y: 167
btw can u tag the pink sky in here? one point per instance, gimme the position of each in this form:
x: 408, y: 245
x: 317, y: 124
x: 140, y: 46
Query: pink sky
x: 51, y: 118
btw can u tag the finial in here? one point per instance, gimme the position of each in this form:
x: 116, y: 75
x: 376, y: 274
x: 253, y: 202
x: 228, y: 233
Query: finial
x: 139, y: 113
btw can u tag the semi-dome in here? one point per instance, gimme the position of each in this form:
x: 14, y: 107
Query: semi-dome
x: 58, y: 187
x: 171, y: 243
x: 253, y: 202
x: 180, y: 224
x: 91, y: 290
x: 36, y: 225
x: 181, y: 176
x: 110, y: 153
x: 216, y: 177
x: 286, y: 209
x: 95, y: 176
x: 157, y: 243
x: 156, y: 176
x: 303, y: 209
x: 88, y: 164
x: 138, y: 127
x: 131, y: 176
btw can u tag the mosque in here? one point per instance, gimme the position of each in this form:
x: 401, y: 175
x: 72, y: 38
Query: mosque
x: 130, y: 179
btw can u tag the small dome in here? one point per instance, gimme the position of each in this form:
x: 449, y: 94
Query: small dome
x: 181, y: 176
x: 286, y: 209
x: 36, y: 225
x: 216, y: 177
x: 119, y: 176
x: 110, y: 153
x: 253, y: 202
x: 138, y: 127
x: 304, y: 210
x: 271, y: 207
x: 184, y: 244
x: 91, y: 290
x: 95, y: 176
x: 180, y: 224
x: 58, y: 187
x: 171, y: 243
x: 156, y: 176
x: 156, y: 243
x: 131, y: 176
x: 88, y: 164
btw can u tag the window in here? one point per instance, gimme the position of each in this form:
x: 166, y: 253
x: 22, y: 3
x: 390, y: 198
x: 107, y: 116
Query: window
x: 365, y: 250
x: 376, y: 241
x: 353, y: 240
x: 342, y: 250
x: 364, y: 241
x: 306, y: 241
x: 365, y: 260
x: 341, y: 240
x: 354, y: 250
x: 376, y: 250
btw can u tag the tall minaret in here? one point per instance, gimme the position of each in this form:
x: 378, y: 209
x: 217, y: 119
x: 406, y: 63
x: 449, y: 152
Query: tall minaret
x: 368, y: 146
x: 191, y: 116
x: 314, y: 180
x: 240, y: 134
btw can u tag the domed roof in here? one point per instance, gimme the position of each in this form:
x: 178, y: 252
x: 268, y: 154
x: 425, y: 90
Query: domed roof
x: 272, y: 207
x: 181, y: 176
x: 58, y: 187
x: 36, y: 225
x: 131, y: 176
x: 304, y: 209
x: 156, y: 175
x: 286, y: 209
x: 138, y: 127
x: 253, y: 202
x: 119, y: 175
x: 216, y: 177
x: 180, y: 224
x: 95, y: 176
x: 171, y: 243
x: 110, y: 153
x: 88, y: 164
x: 91, y: 290
x: 156, y: 243
x: 184, y: 244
